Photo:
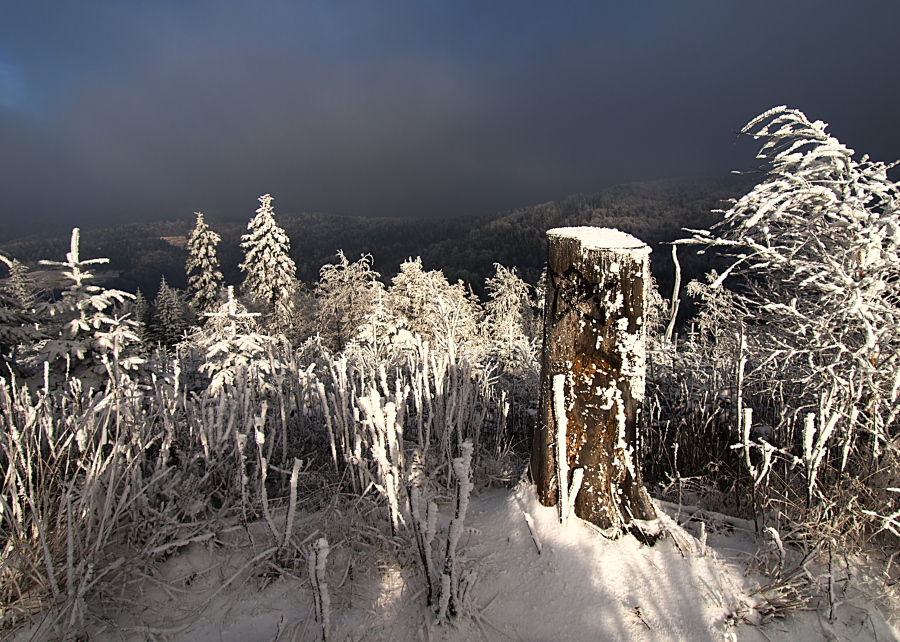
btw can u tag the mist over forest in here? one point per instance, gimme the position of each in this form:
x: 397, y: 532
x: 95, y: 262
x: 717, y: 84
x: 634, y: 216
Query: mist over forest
x: 464, y: 248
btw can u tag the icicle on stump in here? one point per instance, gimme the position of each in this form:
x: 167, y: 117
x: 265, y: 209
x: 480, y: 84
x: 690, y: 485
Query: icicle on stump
x: 592, y: 379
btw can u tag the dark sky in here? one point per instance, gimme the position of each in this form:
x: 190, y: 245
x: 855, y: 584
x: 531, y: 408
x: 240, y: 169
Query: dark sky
x: 112, y: 110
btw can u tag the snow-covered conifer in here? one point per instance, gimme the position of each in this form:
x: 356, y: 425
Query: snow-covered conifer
x: 19, y: 285
x: 271, y: 273
x: 204, y: 276
x: 17, y: 322
x: 169, y: 321
x: 88, y: 326
x: 141, y: 313
x: 231, y: 343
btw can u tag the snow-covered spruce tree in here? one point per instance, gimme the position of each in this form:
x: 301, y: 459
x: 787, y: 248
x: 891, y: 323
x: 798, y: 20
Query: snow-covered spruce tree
x: 816, y: 246
x: 169, y: 319
x: 232, y: 345
x: 19, y: 285
x: 204, y: 276
x: 271, y: 273
x: 89, y: 335
x: 140, y: 311
x: 17, y: 323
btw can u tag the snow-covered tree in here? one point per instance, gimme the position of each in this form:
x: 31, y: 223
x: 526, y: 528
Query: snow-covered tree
x: 447, y: 315
x: 816, y: 245
x: 510, y: 322
x: 140, y: 312
x: 90, y: 330
x: 17, y: 321
x: 169, y: 320
x: 412, y: 295
x: 455, y: 319
x: 19, y: 285
x: 232, y: 344
x: 382, y: 334
x: 345, y: 294
x: 204, y: 276
x: 271, y: 273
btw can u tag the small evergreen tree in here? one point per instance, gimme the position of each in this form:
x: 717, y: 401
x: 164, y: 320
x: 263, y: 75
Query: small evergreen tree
x: 20, y: 286
x: 89, y: 335
x: 271, y: 273
x: 232, y: 344
x: 204, y: 276
x: 143, y: 317
x: 17, y: 322
x: 169, y: 322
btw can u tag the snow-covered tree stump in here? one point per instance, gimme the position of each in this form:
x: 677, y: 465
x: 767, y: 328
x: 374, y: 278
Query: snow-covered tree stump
x: 592, y: 379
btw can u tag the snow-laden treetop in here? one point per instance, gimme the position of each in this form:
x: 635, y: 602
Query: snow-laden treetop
x: 598, y: 238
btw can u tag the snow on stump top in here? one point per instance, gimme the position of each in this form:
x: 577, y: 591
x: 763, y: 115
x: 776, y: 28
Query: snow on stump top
x: 598, y: 238
x: 586, y: 456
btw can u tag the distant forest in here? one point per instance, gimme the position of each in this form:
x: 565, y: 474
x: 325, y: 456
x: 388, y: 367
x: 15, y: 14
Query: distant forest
x: 463, y: 247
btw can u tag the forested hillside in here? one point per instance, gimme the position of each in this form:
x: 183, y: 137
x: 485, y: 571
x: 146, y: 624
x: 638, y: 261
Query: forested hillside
x: 463, y: 248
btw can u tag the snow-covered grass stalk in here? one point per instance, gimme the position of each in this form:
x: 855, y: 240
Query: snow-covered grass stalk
x: 449, y: 604
x: 424, y: 526
x: 746, y: 445
x: 562, y: 455
x: 326, y: 411
x: 342, y: 417
x: 384, y: 423
x: 317, y: 560
x: 68, y: 496
x: 292, y: 503
x: 452, y: 402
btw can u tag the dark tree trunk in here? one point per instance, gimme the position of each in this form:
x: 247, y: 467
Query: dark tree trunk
x: 593, y: 372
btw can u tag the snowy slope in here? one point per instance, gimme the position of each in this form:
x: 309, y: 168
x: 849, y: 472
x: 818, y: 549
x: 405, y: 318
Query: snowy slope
x: 579, y: 587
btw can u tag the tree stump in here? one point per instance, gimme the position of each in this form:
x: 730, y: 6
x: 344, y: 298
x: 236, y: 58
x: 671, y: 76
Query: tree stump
x: 592, y: 378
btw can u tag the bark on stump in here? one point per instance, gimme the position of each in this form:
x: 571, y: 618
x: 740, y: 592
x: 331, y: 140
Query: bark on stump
x: 592, y: 377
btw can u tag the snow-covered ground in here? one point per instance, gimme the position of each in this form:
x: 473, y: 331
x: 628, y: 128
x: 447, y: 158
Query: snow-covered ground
x: 580, y: 586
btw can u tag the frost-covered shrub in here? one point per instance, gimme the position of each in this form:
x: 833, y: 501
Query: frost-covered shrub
x: 510, y: 326
x: 345, y: 295
x: 446, y: 315
x: 814, y: 305
x: 382, y: 339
